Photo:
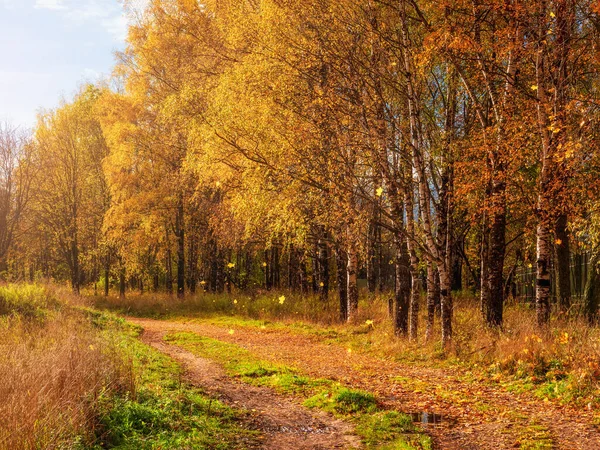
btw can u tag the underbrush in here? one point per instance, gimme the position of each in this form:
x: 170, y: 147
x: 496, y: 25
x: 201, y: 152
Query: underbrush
x: 561, y: 363
x: 257, y: 305
x: 378, y: 428
x: 53, y: 369
x: 72, y: 377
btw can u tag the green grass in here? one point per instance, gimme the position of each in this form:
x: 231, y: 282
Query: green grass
x: 28, y: 301
x: 164, y: 412
x: 535, y: 437
x: 377, y: 427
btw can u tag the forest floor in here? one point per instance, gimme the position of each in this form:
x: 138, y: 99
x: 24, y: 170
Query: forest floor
x: 476, y: 412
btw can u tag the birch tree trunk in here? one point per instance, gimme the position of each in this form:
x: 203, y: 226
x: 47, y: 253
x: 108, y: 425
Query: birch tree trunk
x: 402, y: 292
x: 433, y: 296
x: 341, y: 263
x: 352, y: 289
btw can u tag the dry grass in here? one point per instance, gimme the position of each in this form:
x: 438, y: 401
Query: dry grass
x: 267, y: 305
x: 53, y: 367
x: 561, y: 362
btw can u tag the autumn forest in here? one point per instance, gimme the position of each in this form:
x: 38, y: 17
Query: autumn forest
x: 421, y: 176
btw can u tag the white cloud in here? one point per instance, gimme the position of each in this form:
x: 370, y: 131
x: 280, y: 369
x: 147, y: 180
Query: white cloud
x: 91, y: 75
x: 116, y: 26
x: 55, y: 5
x: 109, y: 14
x: 12, y: 5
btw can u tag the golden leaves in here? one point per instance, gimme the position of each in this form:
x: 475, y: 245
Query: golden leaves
x: 563, y: 338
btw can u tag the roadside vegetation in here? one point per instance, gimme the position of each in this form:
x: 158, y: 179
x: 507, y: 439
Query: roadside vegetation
x: 71, y: 377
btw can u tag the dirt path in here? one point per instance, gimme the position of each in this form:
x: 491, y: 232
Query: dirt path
x: 284, y: 424
x: 479, y: 416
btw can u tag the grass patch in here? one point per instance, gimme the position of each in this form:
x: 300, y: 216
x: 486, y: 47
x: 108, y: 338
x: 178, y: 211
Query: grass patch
x: 165, y: 412
x: 344, y: 402
x: 28, y: 302
x: 376, y: 427
x: 534, y: 437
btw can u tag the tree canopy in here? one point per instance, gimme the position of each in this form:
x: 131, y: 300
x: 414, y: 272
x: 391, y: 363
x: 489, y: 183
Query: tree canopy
x: 280, y: 144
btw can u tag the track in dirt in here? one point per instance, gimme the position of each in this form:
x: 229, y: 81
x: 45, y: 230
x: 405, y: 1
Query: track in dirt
x: 284, y: 424
x: 485, y: 417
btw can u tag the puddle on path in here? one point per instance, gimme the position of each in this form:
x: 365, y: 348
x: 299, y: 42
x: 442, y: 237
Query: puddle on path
x: 427, y: 418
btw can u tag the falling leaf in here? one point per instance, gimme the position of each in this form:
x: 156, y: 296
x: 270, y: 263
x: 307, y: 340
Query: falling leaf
x: 558, y: 242
x: 282, y: 300
x: 552, y: 14
x: 534, y: 88
x: 349, y: 350
x: 321, y: 284
x: 235, y: 302
x: 231, y: 331
x: 379, y: 192
x: 231, y: 265
x: 369, y: 322
x: 91, y: 347
x: 264, y: 264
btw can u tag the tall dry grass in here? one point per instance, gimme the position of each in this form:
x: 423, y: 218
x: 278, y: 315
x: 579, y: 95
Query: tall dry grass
x: 54, y: 366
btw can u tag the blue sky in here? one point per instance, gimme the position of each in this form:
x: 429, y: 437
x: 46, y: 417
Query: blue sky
x: 49, y: 47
